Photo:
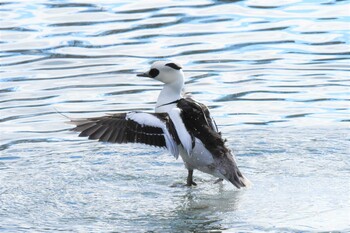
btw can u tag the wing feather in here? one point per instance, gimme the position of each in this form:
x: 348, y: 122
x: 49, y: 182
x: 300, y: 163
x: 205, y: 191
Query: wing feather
x: 106, y: 135
x: 98, y: 133
x: 154, y: 129
x: 113, y: 137
x: 87, y: 132
x: 199, y: 124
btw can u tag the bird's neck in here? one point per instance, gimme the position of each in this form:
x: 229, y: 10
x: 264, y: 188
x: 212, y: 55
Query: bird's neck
x: 169, y: 94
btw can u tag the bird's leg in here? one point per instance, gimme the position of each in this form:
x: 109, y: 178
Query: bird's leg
x: 190, y: 181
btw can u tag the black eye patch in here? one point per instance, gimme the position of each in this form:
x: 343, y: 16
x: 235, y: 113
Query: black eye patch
x: 153, y: 72
x: 174, y: 66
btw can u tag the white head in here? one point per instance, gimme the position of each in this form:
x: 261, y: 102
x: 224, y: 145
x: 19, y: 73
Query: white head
x: 165, y: 71
x: 171, y: 74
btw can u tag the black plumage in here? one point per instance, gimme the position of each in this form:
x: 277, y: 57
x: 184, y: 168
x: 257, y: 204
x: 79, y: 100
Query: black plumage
x: 199, y: 124
x: 118, y: 128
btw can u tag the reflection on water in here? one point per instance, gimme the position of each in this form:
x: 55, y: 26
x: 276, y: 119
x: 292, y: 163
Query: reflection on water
x: 274, y: 73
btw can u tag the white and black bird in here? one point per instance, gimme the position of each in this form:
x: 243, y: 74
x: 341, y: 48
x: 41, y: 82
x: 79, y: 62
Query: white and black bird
x: 180, y: 124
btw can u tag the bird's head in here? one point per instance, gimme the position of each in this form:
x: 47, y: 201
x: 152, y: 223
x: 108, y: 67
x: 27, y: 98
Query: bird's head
x: 165, y: 71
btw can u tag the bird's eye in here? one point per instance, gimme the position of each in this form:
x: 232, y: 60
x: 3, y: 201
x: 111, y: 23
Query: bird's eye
x: 153, y: 72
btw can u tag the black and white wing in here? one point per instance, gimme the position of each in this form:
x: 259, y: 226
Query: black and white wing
x: 155, y: 129
x: 199, y: 124
x: 198, y: 109
x: 211, y: 122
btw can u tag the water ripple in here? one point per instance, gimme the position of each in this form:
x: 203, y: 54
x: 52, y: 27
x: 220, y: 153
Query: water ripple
x: 263, y: 67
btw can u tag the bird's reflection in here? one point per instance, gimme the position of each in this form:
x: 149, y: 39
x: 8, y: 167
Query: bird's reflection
x: 201, y: 208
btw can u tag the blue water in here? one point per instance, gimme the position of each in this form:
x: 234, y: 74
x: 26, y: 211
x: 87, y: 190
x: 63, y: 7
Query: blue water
x: 275, y: 75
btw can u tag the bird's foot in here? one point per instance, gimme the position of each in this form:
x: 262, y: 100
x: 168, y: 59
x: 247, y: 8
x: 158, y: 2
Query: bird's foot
x: 190, y: 183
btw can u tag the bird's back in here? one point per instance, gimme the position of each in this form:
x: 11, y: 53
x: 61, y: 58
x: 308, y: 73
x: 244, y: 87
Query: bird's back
x: 199, y: 124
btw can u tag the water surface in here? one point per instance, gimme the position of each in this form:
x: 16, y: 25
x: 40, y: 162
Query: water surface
x: 275, y: 75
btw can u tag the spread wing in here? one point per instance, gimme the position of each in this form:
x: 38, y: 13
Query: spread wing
x: 154, y: 129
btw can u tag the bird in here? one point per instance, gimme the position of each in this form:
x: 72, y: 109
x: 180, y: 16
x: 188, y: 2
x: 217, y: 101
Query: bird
x: 179, y: 124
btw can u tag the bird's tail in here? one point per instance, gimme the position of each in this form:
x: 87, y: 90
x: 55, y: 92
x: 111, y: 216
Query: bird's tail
x: 239, y: 180
x: 235, y: 176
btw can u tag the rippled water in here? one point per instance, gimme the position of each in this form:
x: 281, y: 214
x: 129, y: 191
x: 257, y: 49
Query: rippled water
x: 274, y: 73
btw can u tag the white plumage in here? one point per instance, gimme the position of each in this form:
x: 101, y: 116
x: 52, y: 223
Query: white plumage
x: 150, y: 120
x: 183, y: 134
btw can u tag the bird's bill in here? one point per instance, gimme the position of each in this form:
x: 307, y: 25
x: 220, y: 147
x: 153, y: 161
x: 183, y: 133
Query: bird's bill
x: 143, y: 74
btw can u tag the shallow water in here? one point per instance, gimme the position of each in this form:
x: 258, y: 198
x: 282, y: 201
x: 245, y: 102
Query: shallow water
x: 274, y: 73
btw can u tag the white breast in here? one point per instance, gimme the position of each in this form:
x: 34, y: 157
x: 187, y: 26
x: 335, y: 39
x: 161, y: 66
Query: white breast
x: 200, y: 158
